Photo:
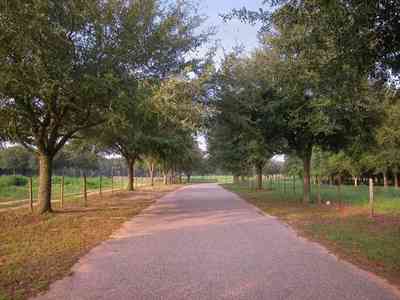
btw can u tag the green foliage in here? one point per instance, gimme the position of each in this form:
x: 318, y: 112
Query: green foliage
x: 160, y: 111
x: 57, y: 79
x: 6, y: 181
x: 364, y: 35
x: 309, y: 95
x: 293, y: 166
x: 17, y: 159
x: 235, y: 138
x: 68, y: 68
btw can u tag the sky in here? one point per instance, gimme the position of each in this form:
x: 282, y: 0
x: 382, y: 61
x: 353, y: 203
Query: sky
x: 234, y: 33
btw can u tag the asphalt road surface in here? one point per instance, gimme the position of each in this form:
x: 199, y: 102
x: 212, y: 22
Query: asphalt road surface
x: 203, y: 242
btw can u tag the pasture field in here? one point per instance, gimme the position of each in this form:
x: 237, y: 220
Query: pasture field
x: 386, y: 200
x: 16, y: 188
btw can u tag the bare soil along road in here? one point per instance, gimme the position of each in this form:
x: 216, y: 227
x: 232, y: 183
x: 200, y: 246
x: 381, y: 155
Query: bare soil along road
x: 203, y: 242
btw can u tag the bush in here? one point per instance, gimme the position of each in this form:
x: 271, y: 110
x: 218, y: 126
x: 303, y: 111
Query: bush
x: 13, y: 181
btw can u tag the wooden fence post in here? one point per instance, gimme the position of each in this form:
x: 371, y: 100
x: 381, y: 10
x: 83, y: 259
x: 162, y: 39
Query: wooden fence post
x: 31, y: 194
x: 100, y: 186
x: 371, y: 197
x: 112, y: 181
x: 62, y: 192
x: 84, y: 191
x: 121, y: 180
x: 134, y: 177
x: 284, y: 185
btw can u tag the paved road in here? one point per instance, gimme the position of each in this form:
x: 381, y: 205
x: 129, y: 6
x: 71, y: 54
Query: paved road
x: 203, y: 242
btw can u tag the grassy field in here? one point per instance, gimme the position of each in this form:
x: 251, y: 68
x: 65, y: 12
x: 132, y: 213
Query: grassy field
x: 373, y: 244
x: 386, y: 200
x: 17, y: 188
x: 38, y: 250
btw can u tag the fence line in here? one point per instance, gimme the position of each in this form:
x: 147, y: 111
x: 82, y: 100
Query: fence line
x: 118, y: 184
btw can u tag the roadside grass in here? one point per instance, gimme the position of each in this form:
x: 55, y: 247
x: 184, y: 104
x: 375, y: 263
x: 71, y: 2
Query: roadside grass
x: 38, y: 250
x: 373, y: 244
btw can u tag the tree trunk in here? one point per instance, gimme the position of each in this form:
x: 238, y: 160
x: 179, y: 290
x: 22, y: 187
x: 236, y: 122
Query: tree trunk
x: 152, y: 176
x: 306, y: 177
x: 355, y: 181
x: 235, y: 179
x: 45, y: 173
x: 259, y: 168
x: 151, y: 172
x: 396, y: 180
x: 131, y: 166
x: 319, y: 190
x: 165, y: 178
x: 385, y: 180
x: 188, y: 178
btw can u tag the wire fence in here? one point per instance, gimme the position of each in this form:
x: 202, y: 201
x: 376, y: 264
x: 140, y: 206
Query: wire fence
x: 20, y: 190
x: 378, y: 199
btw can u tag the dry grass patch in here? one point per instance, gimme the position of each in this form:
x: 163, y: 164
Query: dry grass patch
x: 38, y: 250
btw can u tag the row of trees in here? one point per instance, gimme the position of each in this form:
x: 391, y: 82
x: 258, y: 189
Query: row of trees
x: 119, y: 76
x: 324, y: 78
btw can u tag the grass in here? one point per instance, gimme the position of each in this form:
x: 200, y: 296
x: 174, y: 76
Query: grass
x: 38, y: 250
x: 373, y: 244
x: 72, y: 185
x: 211, y: 179
x: 14, y: 188
x: 10, y: 190
x: 387, y: 200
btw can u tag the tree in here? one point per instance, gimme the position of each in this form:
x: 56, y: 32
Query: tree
x: 56, y: 68
x: 293, y: 166
x: 65, y: 67
x: 387, y: 135
x: 238, y: 102
x: 80, y: 157
x: 314, y: 105
x: 365, y: 35
x: 228, y: 151
x: 17, y: 160
x: 170, y: 35
x: 179, y: 114
x: 192, y: 161
x: 312, y: 95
